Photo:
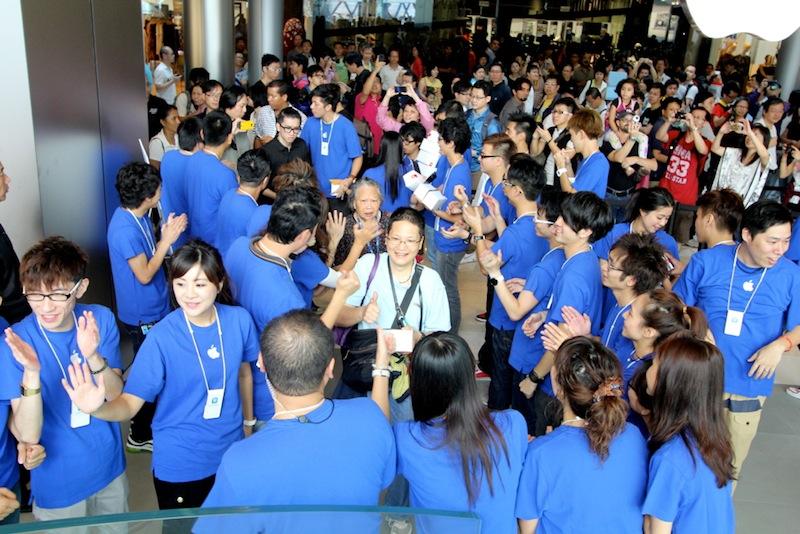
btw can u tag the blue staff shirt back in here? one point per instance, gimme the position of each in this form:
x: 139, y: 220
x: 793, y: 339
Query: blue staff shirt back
x: 521, y: 250
x: 235, y: 211
x: 207, y: 181
x: 682, y: 490
x: 137, y: 303
x: 344, y: 147
x: 775, y: 307
x: 173, y: 188
x: 69, y: 474
x: 308, y: 270
x: 568, y: 489
x: 436, y: 480
x: 259, y: 220
x: 592, y: 175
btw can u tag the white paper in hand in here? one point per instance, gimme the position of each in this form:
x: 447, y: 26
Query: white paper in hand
x: 430, y: 197
x: 412, y: 179
x: 403, y: 339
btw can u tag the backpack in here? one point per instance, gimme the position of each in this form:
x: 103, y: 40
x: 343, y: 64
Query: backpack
x: 365, y: 137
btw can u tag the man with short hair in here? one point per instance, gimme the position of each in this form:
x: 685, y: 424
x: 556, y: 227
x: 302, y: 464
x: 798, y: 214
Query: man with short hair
x: 550, y: 140
x: 653, y: 110
x: 520, y: 88
x: 596, y: 102
x: 207, y: 178
x: 687, y: 89
x: 390, y: 73
x: 481, y: 120
x: 238, y: 205
x: 270, y: 71
x: 772, y: 114
x: 537, y: 88
x: 359, y: 75
x: 719, y: 214
x: 669, y: 107
x: 173, y: 172
x: 520, y: 129
x: 278, y: 99
x: 500, y: 91
x: 164, y: 77
x: 333, y: 143
x: 287, y: 145
x: 722, y: 109
x: 462, y: 92
x: 566, y: 84
x: 551, y: 96
x: 586, y: 132
x: 750, y: 294
x: 660, y: 74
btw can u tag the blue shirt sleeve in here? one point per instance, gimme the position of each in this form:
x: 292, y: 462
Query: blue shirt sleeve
x: 148, y: 373
x: 533, y: 490
x: 510, y: 244
x: 251, y: 337
x: 109, y: 336
x: 687, y: 285
x: 352, y: 143
x: 663, y: 489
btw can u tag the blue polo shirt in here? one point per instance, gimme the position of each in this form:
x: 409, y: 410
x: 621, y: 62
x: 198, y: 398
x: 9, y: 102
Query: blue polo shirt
x: 308, y: 270
x: 403, y: 199
x: 208, y: 179
x: 267, y: 291
x: 343, y: 148
x: 130, y: 236
x: 436, y: 481
x: 235, y: 211
x: 775, y: 308
x: 475, y: 122
x: 611, y: 335
x: 592, y: 175
x: 577, y: 284
x: 498, y: 193
x: 603, y: 246
x: 682, y: 490
x: 540, y: 282
x: 793, y: 253
x: 173, y: 188
x: 259, y: 220
x: 69, y: 474
x: 522, y: 249
x: 456, y: 175
x: 186, y: 446
x: 567, y: 487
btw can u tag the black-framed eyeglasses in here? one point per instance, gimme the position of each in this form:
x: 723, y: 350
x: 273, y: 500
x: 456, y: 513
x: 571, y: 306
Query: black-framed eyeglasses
x: 611, y: 266
x: 290, y: 130
x: 55, y: 297
x: 487, y: 156
x: 507, y: 183
x: 410, y: 141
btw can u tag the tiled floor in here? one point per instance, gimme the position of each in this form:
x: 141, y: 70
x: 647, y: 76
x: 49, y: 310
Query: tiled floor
x: 768, y: 496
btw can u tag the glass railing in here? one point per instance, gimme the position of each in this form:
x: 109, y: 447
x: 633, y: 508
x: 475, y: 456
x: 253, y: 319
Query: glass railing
x: 267, y: 519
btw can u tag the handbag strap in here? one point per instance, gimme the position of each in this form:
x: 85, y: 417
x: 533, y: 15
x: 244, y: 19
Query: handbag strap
x: 371, y: 277
x: 400, y: 316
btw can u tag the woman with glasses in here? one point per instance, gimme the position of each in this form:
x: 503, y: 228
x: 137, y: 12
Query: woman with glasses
x: 212, y: 91
x: 233, y: 102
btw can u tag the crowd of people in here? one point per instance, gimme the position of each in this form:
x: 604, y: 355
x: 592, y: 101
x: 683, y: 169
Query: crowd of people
x: 332, y: 203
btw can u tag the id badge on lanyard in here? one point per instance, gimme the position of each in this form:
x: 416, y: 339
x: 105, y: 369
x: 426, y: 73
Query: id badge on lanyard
x: 733, y: 323
x: 324, y: 148
x: 213, y: 407
x: 77, y: 418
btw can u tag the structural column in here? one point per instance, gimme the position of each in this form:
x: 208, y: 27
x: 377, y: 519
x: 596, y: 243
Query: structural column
x: 208, y: 37
x: 788, y: 70
x: 264, y: 33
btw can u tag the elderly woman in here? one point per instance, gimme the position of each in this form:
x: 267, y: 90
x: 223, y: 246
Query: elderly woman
x: 363, y: 230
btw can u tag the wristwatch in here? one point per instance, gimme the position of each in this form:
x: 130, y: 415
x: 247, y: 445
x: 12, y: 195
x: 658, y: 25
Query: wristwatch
x: 561, y: 171
x: 534, y: 377
x: 494, y: 280
x: 476, y: 238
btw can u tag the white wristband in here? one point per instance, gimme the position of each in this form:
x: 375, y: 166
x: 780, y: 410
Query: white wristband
x: 249, y: 422
x: 386, y: 373
x: 561, y: 171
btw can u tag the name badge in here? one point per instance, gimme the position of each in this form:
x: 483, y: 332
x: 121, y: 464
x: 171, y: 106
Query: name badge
x: 77, y: 418
x: 213, y: 407
x: 733, y: 323
x: 324, y: 148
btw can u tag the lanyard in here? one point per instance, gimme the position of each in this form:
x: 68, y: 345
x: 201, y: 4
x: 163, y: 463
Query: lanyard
x: 526, y: 214
x: 246, y: 194
x: 730, y: 286
x: 197, y: 351
x: 399, y: 309
x: 438, y: 220
x: 614, y: 322
x: 633, y: 360
x: 150, y: 241
x: 282, y: 260
x: 330, y: 133
x: 52, y: 349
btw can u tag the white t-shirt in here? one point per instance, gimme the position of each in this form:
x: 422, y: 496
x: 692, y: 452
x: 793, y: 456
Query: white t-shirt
x: 389, y: 76
x: 430, y: 296
x: 773, y: 150
x: 162, y: 75
x: 748, y: 180
x: 159, y: 145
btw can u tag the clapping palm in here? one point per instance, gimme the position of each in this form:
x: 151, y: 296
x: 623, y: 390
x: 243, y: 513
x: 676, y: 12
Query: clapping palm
x: 86, y: 395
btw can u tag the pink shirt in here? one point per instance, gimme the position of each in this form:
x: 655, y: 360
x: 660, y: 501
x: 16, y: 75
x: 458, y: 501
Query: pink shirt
x: 368, y: 112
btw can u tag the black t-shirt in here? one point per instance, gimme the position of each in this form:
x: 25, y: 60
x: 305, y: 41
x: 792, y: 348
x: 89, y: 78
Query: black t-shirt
x: 650, y: 116
x: 277, y: 154
x: 14, y: 307
x: 617, y: 177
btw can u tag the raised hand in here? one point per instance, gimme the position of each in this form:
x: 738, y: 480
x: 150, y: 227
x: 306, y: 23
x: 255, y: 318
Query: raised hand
x: 335, y: 226
x: 454, y: 208
x: 455, y: 232
x: 88, y: 334
x: 82, y: 391
x: 460, y: 192
x: 366, y: 231
x: 493, y: 205
x: 578, y: 324
x: 473, y: 217
x: 372, y: 310
x: 383, y: 350
x: 490, y: 261
x: 553, y: 336
x: 533, y: 322
x: 22, y: 352
x: 347, y: 283
x: 174, y: 227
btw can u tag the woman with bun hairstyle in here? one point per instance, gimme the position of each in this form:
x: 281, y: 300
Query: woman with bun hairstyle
x: 591, y: 470
x: 691, y: 468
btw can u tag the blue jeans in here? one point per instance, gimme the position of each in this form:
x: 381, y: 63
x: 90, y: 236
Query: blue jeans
x: 430, y: 246
x: 448, y: 263
x: 502, y: 384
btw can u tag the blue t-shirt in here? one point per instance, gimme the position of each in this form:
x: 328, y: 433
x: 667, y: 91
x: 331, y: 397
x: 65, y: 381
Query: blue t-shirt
x: 612, y: 336
x: 9, y: 470
x: 235, y: 211
x: 592, y: 175
x: 603, y: 246
x: 186, y: 446
x: 682, y: 490
x: 793, y: 253
x: 522, y: 249
x: 539, y: 282
x: 259, y: 220
x: 308, y: 270
x: 173, y: 188
x: 343, y: 455
x: 577, y: 284
x: 436, y: 480
x: 267, y: 291
x: 137, y: 303
x: 456, y: 175
x: 567, y: 487
x: 343, y: 148
x: 208, y: 179
x: 775, y: 307
x: 475, y: 123
x: 80, y: 461
x: 498, y: 192
x: 403, y: 199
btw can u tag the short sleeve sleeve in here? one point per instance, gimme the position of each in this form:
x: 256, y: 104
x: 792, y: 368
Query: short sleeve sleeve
x: 156, y: 149
x: 251, y: 345
x: 602, y: 246
x: 533, y: 491
x: 663, y: 490
x: 128, y: 242
x: 353, y: 145
x: 109, y: 337
x: 147, y: 374
x: 539, y: 282
x: 687, y: 284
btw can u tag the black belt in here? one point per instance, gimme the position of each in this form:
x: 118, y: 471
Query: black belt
x: 615, y: 193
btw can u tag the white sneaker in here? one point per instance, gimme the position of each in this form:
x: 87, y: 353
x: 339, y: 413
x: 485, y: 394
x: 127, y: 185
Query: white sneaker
x: 793, y: 391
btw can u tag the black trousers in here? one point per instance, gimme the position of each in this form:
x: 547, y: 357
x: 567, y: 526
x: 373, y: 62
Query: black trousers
x: 141, y: 423
x: 540, y: 411
x: 485, y: 358
x: 500, y: 386
x: 172, y: 495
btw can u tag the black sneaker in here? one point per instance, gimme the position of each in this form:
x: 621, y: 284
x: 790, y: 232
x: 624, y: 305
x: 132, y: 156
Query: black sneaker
x: 131, y: 445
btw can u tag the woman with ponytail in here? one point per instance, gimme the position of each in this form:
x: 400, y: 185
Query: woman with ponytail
x: 456, y: 454
x: 651, y: 319
x: 591, y: 470
x: 691, y: 469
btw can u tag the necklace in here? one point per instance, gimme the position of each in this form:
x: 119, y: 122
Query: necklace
x: 575, y: 419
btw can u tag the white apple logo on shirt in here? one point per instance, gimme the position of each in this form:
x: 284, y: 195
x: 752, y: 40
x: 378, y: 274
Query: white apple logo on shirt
x: 765, y: 21
x: 748, y: 286
x: 213, y: 353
